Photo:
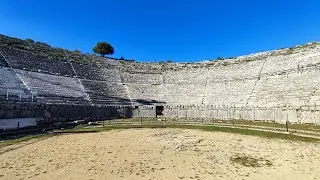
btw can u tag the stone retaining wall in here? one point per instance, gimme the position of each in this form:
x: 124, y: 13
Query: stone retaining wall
x: 303, y: 114
x: 49, y: 113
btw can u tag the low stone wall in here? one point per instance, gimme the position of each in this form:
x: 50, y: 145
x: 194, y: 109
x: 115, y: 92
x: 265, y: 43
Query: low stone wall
x: 49, y: 113
x: 302, y: 114
x: 144, y: 111
x: 11, y: 124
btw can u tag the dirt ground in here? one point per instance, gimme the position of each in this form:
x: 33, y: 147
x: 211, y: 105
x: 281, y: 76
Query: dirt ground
x: 161, y: 154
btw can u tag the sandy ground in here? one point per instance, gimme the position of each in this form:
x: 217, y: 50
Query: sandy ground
x: 160, y: 154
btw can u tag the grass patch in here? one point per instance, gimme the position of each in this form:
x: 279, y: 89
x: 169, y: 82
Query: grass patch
x: 308, y: 127
x: 256, y: 133
x: 248, y: 161
x: 22, y: 139
x: 158, y: 124
x: 93, y: 129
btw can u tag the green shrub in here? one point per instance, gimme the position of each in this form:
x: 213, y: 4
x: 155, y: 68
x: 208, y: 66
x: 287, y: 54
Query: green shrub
x: 219, y: 58
x: 42, y: 44
x: 77, y: 51
x: 28, y: 40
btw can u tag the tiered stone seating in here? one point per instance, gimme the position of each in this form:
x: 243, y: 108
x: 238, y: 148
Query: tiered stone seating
x: 142, y: 78
x: 184, y: 94
x: 91, y: 68
x: 21, y: 59
x: 235, y: 71
x: 186, y: 76
x: 290, y: 62
x: 173, y: 94
x: 183, y: 86
x: 262, y: 79
x: 308, y: 60
x: 46, y: 50
x: 11, y: 84
x: 111, y: 73
x: 93, y: 72
x: 146, y: 68
x: 315, y: 97
x: 106, y: 93
x: 103, y: 59
x: 147, y: 92
x: 54, y: 89
x: 228, y: 92
x: 276, y: 64
x: 293, y: 90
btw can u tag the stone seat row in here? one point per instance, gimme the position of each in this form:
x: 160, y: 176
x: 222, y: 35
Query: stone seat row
x: 44, y: 84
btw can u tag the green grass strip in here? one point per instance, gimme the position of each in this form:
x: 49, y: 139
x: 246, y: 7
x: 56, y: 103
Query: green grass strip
x: 22, y: 139
x: 211, y: 128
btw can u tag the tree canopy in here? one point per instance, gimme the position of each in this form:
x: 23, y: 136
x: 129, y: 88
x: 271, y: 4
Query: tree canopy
x: 103, y: 48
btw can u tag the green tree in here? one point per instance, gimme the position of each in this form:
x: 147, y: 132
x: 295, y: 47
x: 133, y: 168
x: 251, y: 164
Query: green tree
x: 103, y: 48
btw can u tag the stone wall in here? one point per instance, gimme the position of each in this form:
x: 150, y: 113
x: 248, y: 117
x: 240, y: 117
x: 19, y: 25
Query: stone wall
x: 12, y: 124
x: 144, y: 111
x: 49, y: 113
x: 302, y: 114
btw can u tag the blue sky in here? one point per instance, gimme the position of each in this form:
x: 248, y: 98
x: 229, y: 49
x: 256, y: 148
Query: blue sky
x: 181, y: 30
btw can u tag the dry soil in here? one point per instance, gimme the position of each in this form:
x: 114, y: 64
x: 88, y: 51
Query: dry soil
x: 161, y: 154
